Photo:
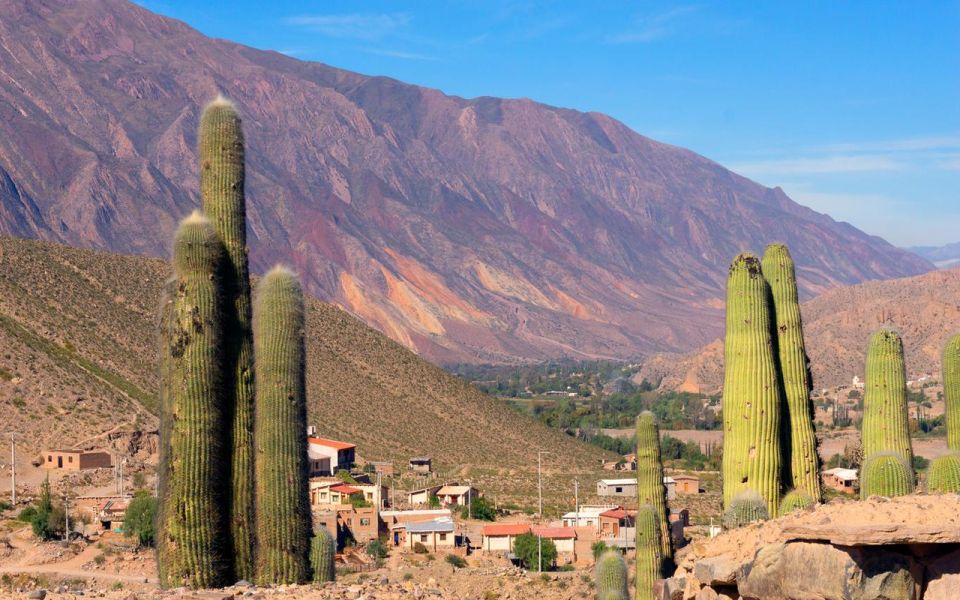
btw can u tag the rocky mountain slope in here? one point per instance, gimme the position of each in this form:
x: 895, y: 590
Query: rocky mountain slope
x: 837, y: 324
x: 469, y: 230
x: 78, y: 361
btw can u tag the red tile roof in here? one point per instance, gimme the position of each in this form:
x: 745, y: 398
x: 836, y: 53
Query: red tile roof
x: 555, y: 533
x: 506, y: 529
x: 614, y: 513
x: 345, y: 489
x: 330, y: 443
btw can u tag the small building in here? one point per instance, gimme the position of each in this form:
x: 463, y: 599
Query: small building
x: 360, y: 524
x: 434, y: 535
x: 840, y: 479
x: 384, y: 468
x: 687, y: 484
x: 500, y: 537
x: 617, y: 487
x: 613, y: 522
x: 423, y: 495
x: 378, y: 496
x: 75, y: 460
x: 456, y: 495
x: 112, y: 512
x: 389, y: 518
x: 421, y: 465
x: 332, y: 492
x: 564, y: 539
x: 586, y: 516
x: 326, y: 457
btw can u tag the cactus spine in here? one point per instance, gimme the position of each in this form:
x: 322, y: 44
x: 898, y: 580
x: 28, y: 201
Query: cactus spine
x: 649, y: 558
x: 795, y: 500
x: 650, y: 489
x: 943, y: 475
x: 192, y: 529
x: 746, y: 507
x: 885, y: 421
x: 611, y: 577
x: 802, y: 470
x: 751, y: 396
x: 885, y: 474
x: 951, y: 390
x: 221, y: 151
x: 322, y: 554
x: 283, y: 515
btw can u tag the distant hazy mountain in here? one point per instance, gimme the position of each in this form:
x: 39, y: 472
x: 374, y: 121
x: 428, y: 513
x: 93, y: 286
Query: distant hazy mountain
x: 469, y: 230
x: 943, y: 257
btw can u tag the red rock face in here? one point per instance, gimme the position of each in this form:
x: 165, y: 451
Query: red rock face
x: 471, y: 230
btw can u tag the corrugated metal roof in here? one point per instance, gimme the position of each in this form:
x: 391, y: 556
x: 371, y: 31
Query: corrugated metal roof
x: 437, y: 525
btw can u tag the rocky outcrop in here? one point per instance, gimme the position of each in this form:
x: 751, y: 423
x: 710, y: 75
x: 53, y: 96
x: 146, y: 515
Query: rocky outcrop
x: 905, y: 548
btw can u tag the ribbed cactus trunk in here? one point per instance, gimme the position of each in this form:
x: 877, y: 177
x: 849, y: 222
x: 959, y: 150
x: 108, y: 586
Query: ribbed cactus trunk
x: 802, y: 471
x: 648, y: 557
x: 885, y: 420
x: 611, y: 577
x: 650, y: 488
x: 283, y: 512
x: 886, y: 474
x: 192, y: 528
x: 943, y: 475
x: 951, y: 390
x: 323, y: 552
x: 751, y: 392
x: 221, y: 150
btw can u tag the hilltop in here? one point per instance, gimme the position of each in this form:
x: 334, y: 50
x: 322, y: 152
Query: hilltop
x: 79, y: 361
x: 836, y: 327
x: 471, y: 230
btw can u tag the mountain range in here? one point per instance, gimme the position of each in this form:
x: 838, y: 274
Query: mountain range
x: 836, y: 326
x: 944, y: 257
x: 481, y: 230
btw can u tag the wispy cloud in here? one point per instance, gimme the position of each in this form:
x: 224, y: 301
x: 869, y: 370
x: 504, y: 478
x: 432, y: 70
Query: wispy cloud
x: 360, y: 26
x: 399, y: 54
x: 819, y: 165
x: 650, y: 28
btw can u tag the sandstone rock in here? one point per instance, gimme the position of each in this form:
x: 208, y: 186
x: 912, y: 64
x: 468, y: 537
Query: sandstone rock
x: 37, y: 594
x: 943, y: 577
x: 716, y: 570
x: 707, y: 593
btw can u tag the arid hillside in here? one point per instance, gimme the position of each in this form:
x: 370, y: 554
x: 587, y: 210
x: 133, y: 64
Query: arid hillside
x: 78, y: 360
x: 478, y: 230
x: 836, y: 324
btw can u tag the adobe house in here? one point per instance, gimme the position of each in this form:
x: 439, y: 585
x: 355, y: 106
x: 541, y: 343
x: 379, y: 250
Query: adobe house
x: 457, y: 495
x: 421, y: 465
x: 687, y: 484
x: 434, y: 535
x: 564, y: 539
x: 75, y: 460
x: 500, y: 537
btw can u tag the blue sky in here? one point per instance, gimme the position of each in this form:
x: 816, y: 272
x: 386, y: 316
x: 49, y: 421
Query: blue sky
x: 852, y: 107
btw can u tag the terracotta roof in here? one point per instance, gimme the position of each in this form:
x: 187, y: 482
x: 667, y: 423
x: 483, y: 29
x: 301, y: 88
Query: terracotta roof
x: 616, y: 513
x: 555, y: 533
x: 330, y: 443
x: 686, y: 477
x: 506, y: 529
x: 345, y: 489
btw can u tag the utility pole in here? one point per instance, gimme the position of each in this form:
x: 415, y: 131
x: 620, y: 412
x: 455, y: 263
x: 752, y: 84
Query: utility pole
x: 469, y: 503
x: 540, y: 454
x: 66, y: 515
x: 576, y: 502
x: 13, y: 468
x: 122, y: 462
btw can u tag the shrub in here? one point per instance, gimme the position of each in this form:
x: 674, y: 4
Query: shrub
x: 377, y: 550
x: 598, y: 548
x: 457, y: 561
x: 480, y: 508
x: 139, y: 519
x: 26, y: 515
x: 99, y: 560
x: 407, y: 576
x: 527, y: 547
x: 419, y: 548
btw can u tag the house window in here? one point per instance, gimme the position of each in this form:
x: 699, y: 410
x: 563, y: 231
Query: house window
x: 619, y: 490
x: 424, y: 537
x: 443, y: 537
x: 70, y: 459
x: 364, y: 521
x: 49, y: 458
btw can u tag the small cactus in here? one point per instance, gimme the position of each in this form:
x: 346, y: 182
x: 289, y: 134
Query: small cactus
x: 650, y: 488
x: 951, y: 391
x: 611, y: 577
x: 943, y: 475
x: 885, y: 474
x: 649, y: 559
x: 746, y: 507
x: 795, y: 500
x: 323, y: 551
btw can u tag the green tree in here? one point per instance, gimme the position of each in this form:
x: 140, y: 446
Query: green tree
x: 138, y: 521
x: 47, y: 522
x: 480, y: 508
x: 527, y: 547
x: 598, y: 547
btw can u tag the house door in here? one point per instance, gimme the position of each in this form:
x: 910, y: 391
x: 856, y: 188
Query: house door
x: 396, y: 538
x: 59, y: 462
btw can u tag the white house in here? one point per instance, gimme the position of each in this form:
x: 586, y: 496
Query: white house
x: 326, y: 457
x: 587, y: 516
x: 435, y: 535
x: 457, y: 495
x: 628, y: 487
x: 423, y: 495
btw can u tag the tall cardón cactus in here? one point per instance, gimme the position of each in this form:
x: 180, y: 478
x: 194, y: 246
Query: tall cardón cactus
x: 650, y: 489
x: 886, y: 474
x: 885, y: 425
x: 323, y: 550
x: 611, y: 577
x: 221, y: 151
x: 283, y: 512
x: 192, y: 528
x: 951, y: 390
x: 802, y: 471
x: 648, y: 557
x: 751, y: 390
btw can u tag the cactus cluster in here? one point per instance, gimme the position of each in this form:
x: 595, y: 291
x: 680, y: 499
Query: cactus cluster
x: 801, y: 471
x: 746, y: 507
x: 886, y: 474
x: 943, y: 474
x: 795, y: 500
x: 648, y: 554
x: 212, y: 406
x: 751, y: 390
x: 611, y: 577
x: 323, y: 550
x: 650, y: 488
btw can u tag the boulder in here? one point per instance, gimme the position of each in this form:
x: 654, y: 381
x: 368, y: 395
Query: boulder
x: 943, y: 577
x: 716, y: 570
